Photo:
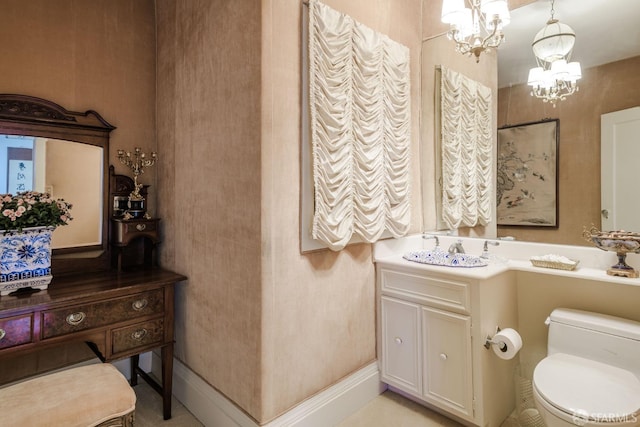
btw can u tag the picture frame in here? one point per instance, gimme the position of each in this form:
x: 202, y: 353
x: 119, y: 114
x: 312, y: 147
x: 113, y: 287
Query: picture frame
x: 527, y: 174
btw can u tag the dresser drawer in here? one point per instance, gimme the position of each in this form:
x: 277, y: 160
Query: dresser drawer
x: 134, y: 226
x: 439, y: 292
x: 138, y: 335
x: 81, y: 317
x: 124, y: 231
x: 15, y: 331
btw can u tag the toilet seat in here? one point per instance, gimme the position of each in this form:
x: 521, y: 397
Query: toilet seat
x: 577, y: 388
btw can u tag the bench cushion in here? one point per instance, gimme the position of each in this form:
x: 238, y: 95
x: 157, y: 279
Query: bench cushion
x: 83, y: 396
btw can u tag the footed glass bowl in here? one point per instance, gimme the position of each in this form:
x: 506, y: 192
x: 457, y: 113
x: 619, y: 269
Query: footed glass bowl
x: 621, y: 242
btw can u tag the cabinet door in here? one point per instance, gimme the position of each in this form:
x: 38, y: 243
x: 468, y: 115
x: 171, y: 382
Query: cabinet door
x: 447, y: 361
x: 400, y: 322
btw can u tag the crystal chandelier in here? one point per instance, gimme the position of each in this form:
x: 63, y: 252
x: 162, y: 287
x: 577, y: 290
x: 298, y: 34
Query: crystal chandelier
x: 476, y: 28
x: 555, y: 77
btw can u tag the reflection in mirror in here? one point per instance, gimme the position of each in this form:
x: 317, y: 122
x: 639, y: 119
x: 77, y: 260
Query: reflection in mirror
x: 610, y: 83
x: 64, y: 169
x: 50, y: 149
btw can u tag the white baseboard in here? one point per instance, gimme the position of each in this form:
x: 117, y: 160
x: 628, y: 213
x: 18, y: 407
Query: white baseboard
x: 328, y: 407
x: 337, y: 402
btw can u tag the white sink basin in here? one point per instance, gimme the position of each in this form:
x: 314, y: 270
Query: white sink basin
x: 445, y: 259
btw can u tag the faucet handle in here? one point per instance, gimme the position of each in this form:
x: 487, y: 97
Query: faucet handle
x: 427, y: 236
x: 485, y: 249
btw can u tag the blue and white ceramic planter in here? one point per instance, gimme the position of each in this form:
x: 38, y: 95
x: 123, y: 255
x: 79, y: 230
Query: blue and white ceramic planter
x: 25, y: 259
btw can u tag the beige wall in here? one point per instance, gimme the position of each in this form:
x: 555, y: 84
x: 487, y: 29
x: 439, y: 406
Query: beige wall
x: 263, y: 324
x: 81, y: 184
x: 603, y: 89
x: 319, y: 309
x: 97, y: 55
x: 539, y: 294
x: 209, y: 85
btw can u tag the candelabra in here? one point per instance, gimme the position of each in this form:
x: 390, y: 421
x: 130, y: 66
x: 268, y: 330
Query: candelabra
x: 137, y: 163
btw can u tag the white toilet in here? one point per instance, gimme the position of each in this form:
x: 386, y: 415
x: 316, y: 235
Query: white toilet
x: 591, y: 375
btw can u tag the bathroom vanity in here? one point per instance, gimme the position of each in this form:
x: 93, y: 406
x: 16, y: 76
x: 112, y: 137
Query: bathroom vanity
x: 432, y: 327
x: 433, y: 321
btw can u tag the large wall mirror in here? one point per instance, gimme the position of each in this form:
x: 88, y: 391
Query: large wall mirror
x: 607, y: 48
x: 45, y: 148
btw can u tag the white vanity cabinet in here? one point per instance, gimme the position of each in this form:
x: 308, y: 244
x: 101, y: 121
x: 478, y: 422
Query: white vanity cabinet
x: 431, y: 343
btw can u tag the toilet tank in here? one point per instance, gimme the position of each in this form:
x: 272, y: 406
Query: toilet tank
x: 607, y: 339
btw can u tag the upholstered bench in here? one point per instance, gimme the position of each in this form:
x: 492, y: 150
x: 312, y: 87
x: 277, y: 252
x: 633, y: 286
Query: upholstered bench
x: 92, y: 395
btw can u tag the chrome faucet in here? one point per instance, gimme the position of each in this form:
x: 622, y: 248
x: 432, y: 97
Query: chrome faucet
x: 431, y: 236
x: 485, y: 249
x: 456, y: 248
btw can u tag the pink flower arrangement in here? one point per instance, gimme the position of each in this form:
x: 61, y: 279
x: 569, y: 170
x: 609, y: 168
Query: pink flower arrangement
x: 32, y: 209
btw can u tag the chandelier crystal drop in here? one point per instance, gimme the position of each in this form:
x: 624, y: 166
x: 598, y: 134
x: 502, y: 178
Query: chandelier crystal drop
x: 477, y: 28
x: 555, y: 77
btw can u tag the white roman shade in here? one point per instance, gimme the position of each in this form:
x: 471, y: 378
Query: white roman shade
x: 359, y: 101
x: 466, y: 144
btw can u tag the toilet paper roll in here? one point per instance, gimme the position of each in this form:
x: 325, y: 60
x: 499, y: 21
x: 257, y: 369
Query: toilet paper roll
x: 507, y: 343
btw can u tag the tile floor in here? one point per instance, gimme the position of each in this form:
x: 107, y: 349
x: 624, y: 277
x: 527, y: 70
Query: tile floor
x: 392, y: 410
x: 149, y: 410
x: 387, y: 410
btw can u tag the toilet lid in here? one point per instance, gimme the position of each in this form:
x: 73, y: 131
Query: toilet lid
x: 582, y: 387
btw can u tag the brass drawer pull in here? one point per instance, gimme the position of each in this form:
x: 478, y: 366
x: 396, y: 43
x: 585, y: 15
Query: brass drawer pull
x: 2, y: 333
x: 139, y: 334
x: 140, y: 304
x: 141, y: 227
x: 74, y: 319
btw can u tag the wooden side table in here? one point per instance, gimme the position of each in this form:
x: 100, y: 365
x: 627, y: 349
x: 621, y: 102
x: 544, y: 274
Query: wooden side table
x: 120, y: 315
x: 124, y: 233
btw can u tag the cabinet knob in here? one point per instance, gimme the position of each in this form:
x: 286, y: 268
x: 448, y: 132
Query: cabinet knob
x: 398, y: 340
x: 141, y: 227
x: 139, y: 334
x: 2, y: 333
x: 139, y: 305
x: 443, y: 356
x: 74, y: 319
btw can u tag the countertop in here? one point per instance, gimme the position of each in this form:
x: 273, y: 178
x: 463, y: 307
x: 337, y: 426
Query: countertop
x: 511, y: 255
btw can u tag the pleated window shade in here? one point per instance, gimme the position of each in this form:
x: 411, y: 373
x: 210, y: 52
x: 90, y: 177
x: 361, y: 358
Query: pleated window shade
x: 466, y: 148
x: 359, y: 101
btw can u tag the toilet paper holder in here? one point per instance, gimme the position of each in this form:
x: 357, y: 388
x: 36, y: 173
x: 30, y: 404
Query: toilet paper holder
x: 489, y: 341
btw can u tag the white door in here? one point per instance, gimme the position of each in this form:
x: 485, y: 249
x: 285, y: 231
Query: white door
x: 620, y: 157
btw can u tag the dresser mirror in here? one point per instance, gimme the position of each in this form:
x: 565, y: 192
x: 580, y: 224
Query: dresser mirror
x: 66, y: 154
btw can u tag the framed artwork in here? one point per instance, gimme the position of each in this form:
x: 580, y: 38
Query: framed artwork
x: 19, y: 169
x: 527, y: 174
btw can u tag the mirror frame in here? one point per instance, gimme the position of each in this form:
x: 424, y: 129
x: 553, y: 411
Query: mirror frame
x: 31, y: 116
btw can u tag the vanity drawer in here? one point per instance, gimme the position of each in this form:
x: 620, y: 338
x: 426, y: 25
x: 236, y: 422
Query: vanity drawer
x: 138, y: 335
x: 432, y: 291
x: 15, y: 331
x: 81, y: 317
